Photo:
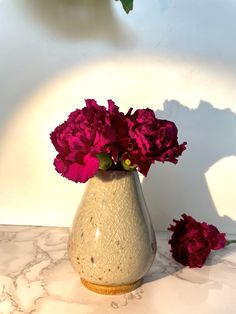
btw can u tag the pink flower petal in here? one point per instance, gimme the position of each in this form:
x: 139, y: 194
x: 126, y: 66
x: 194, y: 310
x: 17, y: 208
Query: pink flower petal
x: 82, y: 172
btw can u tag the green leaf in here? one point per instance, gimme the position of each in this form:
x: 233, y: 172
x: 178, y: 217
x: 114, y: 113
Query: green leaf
x: 127, y: 5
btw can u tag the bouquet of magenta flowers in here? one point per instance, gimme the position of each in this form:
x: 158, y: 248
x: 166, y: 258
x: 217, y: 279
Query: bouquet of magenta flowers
x: 96, y: 138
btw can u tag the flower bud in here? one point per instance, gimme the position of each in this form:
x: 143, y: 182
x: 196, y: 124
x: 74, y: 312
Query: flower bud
x: 127, y: 164
x: 105, y: 161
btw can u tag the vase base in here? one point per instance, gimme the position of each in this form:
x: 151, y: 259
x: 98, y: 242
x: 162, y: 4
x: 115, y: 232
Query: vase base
x: 111, y: 290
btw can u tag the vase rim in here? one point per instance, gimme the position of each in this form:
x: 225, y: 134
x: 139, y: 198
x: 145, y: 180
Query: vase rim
x: 111, y: 174
x: 116, y: 170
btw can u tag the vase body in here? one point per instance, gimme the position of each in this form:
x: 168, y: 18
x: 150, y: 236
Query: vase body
x: 112, y: 243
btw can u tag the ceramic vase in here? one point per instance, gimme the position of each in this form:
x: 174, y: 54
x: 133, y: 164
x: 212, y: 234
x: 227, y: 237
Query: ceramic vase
x: 112, y: 243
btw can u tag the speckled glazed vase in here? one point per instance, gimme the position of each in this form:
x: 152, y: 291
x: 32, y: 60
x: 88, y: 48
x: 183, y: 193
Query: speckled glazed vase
x: 112, y: 243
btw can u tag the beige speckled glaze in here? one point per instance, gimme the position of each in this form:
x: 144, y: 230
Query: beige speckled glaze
x: 112, y: 241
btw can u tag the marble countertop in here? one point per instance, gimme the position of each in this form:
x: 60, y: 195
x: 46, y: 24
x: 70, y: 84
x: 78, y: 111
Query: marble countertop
x: 36, y: 277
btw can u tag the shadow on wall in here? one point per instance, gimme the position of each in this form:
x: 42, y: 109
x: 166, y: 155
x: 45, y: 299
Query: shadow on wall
x: 81, y: 19
x: 171, y: 190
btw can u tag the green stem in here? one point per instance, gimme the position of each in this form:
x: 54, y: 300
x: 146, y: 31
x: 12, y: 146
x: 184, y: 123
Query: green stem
x: 230, y: 242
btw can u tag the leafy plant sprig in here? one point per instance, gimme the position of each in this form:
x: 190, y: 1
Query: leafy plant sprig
x: 127, y: 5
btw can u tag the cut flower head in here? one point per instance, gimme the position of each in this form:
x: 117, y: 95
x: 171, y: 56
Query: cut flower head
x: 95, y: 137
x: 192, y: 241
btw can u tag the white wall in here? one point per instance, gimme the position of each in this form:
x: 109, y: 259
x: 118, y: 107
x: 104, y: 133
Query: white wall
x: 176, y: 57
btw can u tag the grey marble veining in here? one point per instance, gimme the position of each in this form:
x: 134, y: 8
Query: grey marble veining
x: 36, y: 277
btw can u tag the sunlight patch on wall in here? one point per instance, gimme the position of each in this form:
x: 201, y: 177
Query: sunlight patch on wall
x: 31, y: 190
x: 221, y: 181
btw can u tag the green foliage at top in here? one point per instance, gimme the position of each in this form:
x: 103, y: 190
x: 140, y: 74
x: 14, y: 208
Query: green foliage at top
x: 127, y: 5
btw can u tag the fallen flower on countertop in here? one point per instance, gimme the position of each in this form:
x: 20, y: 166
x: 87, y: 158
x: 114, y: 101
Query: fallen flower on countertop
x: 192, y: 241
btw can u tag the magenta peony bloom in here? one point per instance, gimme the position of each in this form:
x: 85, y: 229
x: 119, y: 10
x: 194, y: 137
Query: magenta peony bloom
x: 151, y: 140
x: 86, y: 133
x: 192, y: 241
x: 96, y: 138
